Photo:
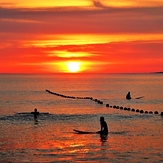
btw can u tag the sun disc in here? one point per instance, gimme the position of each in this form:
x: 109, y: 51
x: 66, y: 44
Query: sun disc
x: 73, y: 66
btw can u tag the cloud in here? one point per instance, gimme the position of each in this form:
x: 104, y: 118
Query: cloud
x: 112, y: 57
x: 98, y: 4
x: 82, y: 20
x: 35, y: 13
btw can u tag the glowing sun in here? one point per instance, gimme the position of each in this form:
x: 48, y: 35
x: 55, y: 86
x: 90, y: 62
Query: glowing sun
x: 73, y: 66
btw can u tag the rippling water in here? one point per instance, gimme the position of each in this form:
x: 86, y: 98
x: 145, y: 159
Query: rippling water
x: 133, y: 137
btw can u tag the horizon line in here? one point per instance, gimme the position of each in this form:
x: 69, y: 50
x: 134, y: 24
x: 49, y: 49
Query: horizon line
x: 57, y: 73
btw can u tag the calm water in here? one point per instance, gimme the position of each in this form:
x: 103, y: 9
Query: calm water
x: 133, y: 137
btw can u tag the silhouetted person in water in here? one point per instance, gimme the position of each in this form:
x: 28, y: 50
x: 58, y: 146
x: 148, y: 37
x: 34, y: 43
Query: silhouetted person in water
x: 104, y: 127
x: 128, y: 96
x: 35, y: 113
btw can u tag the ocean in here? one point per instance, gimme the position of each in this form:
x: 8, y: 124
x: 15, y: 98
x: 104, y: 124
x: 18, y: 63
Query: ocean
x: 133, y: 136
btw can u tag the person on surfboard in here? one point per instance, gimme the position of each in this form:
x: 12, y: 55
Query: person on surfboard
x: 104, y: 127
x: 128, y: 96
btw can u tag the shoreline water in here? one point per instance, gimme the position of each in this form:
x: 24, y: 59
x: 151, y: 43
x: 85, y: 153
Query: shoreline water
x: 134, y: 137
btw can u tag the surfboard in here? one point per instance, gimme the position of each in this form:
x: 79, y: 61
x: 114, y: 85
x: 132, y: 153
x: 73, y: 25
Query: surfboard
x: 84, y: 132
x: 88, y: 132
x: 139, y: 97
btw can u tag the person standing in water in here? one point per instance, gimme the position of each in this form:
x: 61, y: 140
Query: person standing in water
x: 128, y: 96
x: 35, y: 114
x: 104, y: 127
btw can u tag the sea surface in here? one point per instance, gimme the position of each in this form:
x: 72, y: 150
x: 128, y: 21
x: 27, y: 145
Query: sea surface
x: 133, y: 136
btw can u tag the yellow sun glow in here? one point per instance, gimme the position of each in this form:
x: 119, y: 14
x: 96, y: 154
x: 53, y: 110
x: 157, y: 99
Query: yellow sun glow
x: 73, y: 66
x: 49, y: 3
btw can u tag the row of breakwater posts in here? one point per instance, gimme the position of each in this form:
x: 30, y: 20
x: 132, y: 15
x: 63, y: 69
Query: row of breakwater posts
x: 107, y: 105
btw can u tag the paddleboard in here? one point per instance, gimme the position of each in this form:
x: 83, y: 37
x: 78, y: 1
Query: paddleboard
x: 84, y: 132
x: 139, y: 97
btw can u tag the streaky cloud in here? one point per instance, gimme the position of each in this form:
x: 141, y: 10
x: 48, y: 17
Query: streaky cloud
x: 98, y: 4
x: 32, y: 13
x: 97, y: 19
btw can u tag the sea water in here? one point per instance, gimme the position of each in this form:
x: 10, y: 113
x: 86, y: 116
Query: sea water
x: 133, y: 136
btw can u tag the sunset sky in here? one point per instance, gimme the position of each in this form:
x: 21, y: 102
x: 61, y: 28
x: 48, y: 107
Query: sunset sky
x: 86, y: 36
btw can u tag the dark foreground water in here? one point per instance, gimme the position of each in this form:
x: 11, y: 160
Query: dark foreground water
x: 133, y: 136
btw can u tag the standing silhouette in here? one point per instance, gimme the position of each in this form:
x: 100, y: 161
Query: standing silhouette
x: 35, y: 114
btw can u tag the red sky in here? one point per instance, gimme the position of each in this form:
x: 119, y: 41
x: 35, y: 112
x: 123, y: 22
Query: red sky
x: 103, y: 36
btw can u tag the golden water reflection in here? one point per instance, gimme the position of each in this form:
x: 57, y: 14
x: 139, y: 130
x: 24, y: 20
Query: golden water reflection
x: 56, y: 141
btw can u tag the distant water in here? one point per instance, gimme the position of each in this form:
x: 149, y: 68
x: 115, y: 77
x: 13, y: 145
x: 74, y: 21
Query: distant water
x: 133, y: 137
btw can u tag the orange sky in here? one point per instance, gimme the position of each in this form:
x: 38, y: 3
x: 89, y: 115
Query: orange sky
x: 101, y: 36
